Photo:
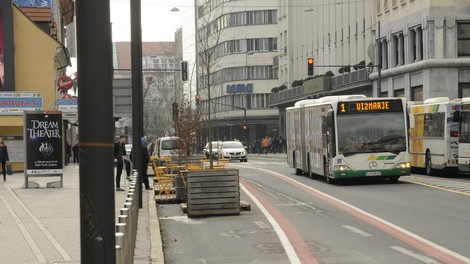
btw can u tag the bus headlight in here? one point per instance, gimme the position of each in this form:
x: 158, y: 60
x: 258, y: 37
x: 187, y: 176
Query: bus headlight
x: 341, y: 168
x: 403, y: 165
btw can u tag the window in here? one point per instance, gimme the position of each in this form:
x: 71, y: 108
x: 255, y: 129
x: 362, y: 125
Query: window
x: 386, y: 5
x: 417, y: 93
x: 463, y: 39
x: 399, y: 93
x: 464, y: 90
x: 434, y: 125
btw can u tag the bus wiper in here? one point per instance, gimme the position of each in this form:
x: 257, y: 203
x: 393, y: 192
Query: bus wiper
x: 351, y: 153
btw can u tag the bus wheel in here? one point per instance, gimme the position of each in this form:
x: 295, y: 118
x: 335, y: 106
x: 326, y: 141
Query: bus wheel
x: 394, y: 179
x: 326, y: 170
x: 428, y: 164
x: 310, y: 174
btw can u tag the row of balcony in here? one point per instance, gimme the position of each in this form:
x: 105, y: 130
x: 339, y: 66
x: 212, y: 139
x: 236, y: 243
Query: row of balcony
x: 320, y: 86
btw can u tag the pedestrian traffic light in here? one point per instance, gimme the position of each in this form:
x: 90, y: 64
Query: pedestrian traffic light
x: 184, y: 71
x: 197, y: 99
x: 310, y: 64
x: 175, y: 110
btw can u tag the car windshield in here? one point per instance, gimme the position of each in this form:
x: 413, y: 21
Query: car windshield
x: 232, y: 145
x: 366, y: 133
x: 170, y: 144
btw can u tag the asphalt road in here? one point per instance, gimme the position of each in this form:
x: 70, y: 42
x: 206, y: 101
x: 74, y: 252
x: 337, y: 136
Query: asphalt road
x: 299, y: 220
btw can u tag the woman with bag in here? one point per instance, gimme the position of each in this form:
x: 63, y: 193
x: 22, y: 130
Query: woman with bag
x: 4, y: 157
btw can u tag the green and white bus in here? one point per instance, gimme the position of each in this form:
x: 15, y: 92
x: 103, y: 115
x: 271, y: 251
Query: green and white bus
x: 348, y: 136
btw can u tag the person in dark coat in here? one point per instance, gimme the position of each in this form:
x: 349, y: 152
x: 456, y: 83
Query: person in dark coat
x: 75, y: 152
x: 68, y: 153
x: 120, y: 156
x: 145, y: 161
x: 4, y: 157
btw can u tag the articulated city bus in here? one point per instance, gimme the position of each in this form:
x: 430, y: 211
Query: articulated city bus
x: 348, y: 136
x: 434, y: 134
x: 463, y: 117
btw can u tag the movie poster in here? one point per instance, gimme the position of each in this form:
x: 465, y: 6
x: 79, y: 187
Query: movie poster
x: 43, y: 136
x: 2, y: 67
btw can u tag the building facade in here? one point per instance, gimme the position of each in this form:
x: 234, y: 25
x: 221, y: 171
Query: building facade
x: 425, y: 48
x: 237, y: 41
x: 31, y: 61
x: 333, y: 33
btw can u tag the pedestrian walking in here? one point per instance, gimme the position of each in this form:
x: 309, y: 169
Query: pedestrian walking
x: 120, y: 157
x: 275, y: 145
x: 75, y: 152
x: 145, y: 162
x: 4, y: 157
x: 68, y: 152
x: 266, y: 145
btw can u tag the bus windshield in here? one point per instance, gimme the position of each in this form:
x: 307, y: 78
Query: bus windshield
x: 170, y: 144
x: 371, y: 133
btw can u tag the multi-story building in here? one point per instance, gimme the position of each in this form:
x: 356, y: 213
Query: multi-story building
x: 236, y: 43
x: 425, y: 48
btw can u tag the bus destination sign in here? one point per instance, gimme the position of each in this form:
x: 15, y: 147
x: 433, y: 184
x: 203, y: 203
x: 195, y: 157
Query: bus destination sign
x: 374, y: 106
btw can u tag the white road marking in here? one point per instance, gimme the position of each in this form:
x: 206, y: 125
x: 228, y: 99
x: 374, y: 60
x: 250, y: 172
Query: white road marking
x: 291, y: 254
x: 262, y: 224
x: 371, y: 216
x: 356, y: 230
x: 25, y: 232
x: 41, y: 226
x: 415, y: 255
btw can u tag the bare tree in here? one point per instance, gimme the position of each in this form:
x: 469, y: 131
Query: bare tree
x: 208, y: 40
x: 187, y: 127
x: 158, y: 97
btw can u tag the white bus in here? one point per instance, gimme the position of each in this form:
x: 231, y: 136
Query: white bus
x: 348, y: 136
x: 434, y: 134
x: 464, y: 135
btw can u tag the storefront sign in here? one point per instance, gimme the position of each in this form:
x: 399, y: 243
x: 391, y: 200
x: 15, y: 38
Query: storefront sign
x: 34, y: 3
x: 67, y: 105
x: 15, y: 103
x: 64, y: 83
x: 43, y: 136
x: 239, y: 88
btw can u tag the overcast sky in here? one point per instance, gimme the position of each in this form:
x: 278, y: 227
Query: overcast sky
x: 158, y: 22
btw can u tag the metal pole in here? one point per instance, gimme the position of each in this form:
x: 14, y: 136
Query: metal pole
x: 95, y: 108
x: 137, y: 100
x: 379, y: 72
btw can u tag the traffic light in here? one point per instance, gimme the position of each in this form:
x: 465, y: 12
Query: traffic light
x: 197, y: 99
x: 175, y: 110
x: 310, y: 64
x: 245, y: 128
x: 184, y: 71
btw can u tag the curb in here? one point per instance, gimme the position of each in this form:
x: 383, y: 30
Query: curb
x: 156, y: 246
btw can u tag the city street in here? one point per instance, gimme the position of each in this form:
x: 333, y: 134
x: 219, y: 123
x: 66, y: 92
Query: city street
x: 293, y: 218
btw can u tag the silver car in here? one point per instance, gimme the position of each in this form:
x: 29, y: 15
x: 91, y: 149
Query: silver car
x: 233, y: 150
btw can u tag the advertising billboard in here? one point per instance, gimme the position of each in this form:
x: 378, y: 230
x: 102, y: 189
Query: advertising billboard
x: 14, y: 103
x: 43, y: 139
x: 35, y: 3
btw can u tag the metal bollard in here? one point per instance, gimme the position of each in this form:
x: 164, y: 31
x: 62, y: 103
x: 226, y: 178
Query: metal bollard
x: 119, y: 242
x: 118, y: 254
x: 127, y: 243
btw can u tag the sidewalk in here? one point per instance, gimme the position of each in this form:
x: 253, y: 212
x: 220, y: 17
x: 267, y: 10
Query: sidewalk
x: 43, y: 225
